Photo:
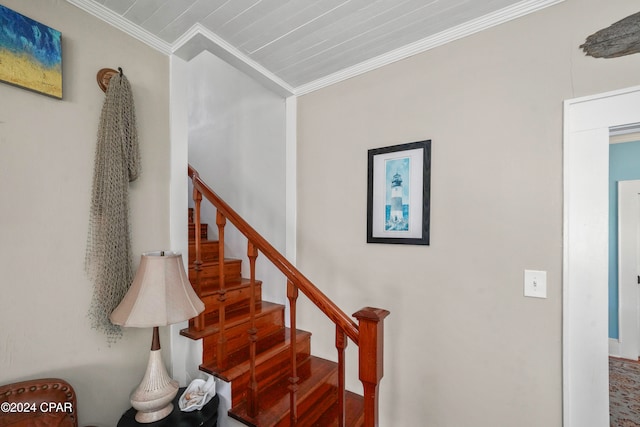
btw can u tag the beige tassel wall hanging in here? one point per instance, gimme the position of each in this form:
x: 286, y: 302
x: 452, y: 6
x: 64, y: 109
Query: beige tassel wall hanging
x: 108, y: 259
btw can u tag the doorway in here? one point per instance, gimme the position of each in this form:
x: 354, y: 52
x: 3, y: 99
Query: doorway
x: 624, y: 174
x: 587, y: 124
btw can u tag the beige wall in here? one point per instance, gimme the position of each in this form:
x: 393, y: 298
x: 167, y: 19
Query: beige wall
x: 463, y: 346
x: 46, y: 168
x: 244, y: 164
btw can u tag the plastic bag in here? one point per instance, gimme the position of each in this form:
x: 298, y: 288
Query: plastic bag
x: 198, y: 394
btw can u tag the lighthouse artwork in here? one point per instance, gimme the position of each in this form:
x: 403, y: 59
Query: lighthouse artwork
x: 398, y: 190
x: 397, y: 205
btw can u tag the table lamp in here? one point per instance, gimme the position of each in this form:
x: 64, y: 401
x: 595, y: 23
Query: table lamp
x: 160, y: 295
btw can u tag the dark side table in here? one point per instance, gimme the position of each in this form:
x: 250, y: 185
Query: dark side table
x: 206, y: 417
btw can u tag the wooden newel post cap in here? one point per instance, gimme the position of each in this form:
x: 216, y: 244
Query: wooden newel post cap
x: 371, y: 314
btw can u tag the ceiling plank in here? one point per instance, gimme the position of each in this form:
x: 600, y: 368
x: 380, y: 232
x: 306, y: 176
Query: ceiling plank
x: 141, y: 10
x: 118, y: 6
x: 291, y: 16
x: 198, y: 11
x: 337, y: 14
x: 347, y: 28
x: 224, y: 14
x: 166, y: 14
x: 248, y: 17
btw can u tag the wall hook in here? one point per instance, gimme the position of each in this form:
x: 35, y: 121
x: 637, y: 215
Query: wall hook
x: 104, y: 77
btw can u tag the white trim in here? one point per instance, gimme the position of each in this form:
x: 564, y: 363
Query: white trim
x: 101, y: 12
x: 291, y: 135
x: 614, y: 347
x: 182, y: 367
x: 587, y: 122
x: 198, y: 39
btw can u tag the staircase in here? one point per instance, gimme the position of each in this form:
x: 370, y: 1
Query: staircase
x: 275, y: 380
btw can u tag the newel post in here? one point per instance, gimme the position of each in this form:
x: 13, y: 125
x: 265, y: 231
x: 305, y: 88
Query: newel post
x: 371, y: 349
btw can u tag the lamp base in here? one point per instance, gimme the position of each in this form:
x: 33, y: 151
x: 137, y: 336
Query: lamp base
x: 153, y: 396
x: 156, y: 415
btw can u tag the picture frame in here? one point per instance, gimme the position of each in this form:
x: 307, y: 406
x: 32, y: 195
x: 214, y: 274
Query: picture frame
x: 398, y: 194
x: 30, y: 54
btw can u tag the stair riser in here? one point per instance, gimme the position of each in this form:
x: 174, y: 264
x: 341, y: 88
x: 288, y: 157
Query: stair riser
x: 312, y: 409
x: 238, y: 337
x: 235, y: 298
x: 312, y: 406
x: 270, y: 371
x: 353, y: 410
x: 203, y: 231
x: 210, y: 274
x: 209, y: 249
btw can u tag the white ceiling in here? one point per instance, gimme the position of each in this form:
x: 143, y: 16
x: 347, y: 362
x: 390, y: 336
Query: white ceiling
x: 300, y: 45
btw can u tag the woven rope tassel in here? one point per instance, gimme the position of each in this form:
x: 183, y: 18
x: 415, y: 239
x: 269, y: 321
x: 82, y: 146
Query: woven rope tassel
x: 108, y: 259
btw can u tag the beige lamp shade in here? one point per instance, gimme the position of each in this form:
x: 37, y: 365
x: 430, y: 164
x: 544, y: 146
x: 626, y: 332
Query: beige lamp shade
x: 160, y: 294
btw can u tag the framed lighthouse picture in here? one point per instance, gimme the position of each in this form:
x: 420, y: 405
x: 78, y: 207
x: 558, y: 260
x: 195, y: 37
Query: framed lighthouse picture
x: 398, y: 194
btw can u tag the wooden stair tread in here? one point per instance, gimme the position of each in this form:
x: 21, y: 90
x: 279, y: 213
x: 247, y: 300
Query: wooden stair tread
x: 230, y: 286
x: 216, y: 263
x: 233, y: 318
x: 316, y: 377
x: 192, y: 243
x: 266, y: 348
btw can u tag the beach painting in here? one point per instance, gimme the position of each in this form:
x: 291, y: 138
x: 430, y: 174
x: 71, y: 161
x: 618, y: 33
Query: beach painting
x: 30, y: 54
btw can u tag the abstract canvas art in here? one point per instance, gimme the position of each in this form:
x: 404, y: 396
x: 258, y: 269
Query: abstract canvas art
x: 30, y: 54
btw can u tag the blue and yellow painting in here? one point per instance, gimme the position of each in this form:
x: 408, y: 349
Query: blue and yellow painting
x: 30, y: 54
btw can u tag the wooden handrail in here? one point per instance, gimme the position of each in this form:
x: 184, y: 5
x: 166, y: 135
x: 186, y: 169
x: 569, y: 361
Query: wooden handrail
x: 328, y: 307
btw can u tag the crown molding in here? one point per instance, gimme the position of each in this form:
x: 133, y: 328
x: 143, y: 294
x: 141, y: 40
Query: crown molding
x: 112, y: 18
x: 468, y: 28
x: 198, y: 39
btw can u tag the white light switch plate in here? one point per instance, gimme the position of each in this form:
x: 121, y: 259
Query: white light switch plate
x: 535, y: 284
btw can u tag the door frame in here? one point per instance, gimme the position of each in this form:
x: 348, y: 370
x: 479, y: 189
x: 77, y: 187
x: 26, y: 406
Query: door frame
x: 587, y: 123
